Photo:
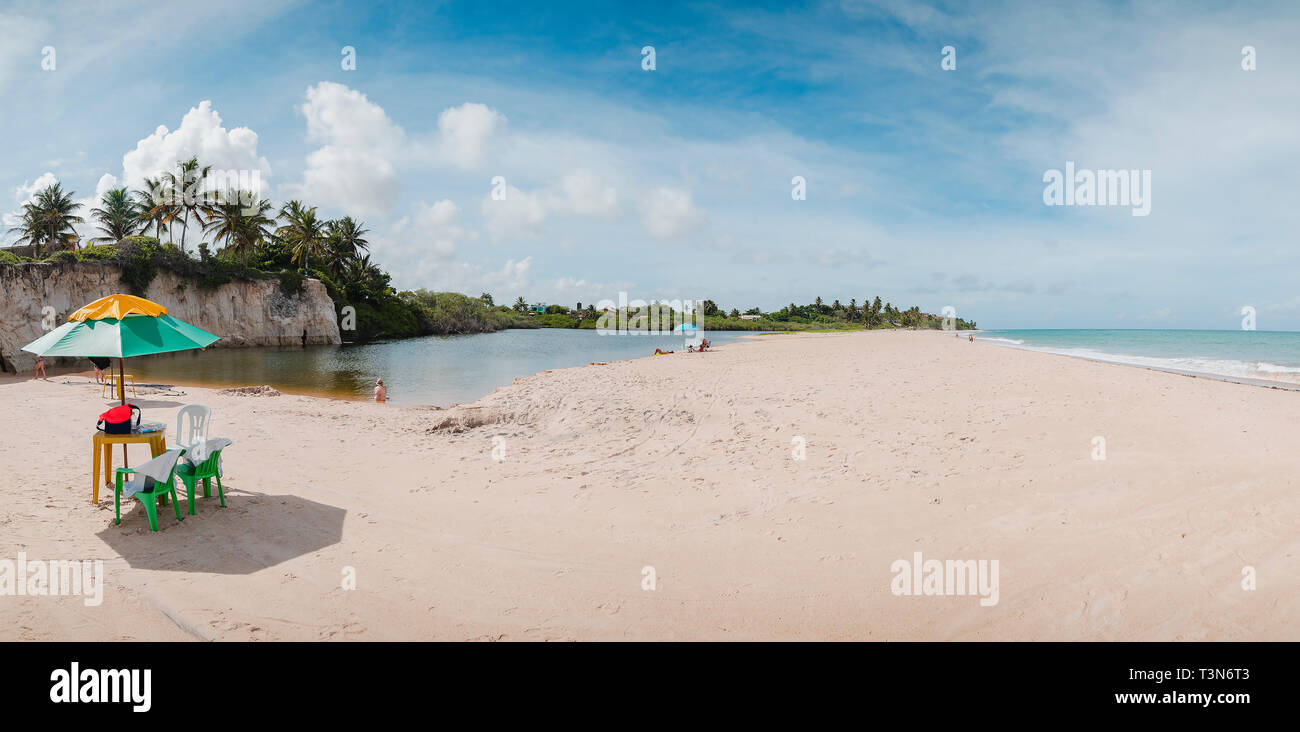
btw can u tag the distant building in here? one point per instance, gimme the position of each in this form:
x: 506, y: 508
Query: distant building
x: 751, y: 317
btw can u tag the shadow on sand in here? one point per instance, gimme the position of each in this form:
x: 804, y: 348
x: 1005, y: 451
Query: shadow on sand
x: 253, y: 532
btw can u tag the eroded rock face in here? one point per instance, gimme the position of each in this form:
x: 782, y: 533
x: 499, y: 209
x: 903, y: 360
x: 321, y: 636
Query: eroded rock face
x: 242, y: 313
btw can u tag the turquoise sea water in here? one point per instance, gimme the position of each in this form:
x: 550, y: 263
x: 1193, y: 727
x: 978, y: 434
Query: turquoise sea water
x: 435, y: 370
x: 1242, y: 354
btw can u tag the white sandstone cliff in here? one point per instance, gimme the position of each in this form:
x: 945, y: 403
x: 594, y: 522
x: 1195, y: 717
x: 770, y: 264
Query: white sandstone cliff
x: 243, y: 313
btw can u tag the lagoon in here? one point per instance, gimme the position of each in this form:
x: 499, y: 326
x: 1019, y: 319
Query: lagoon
x: 429, y: 371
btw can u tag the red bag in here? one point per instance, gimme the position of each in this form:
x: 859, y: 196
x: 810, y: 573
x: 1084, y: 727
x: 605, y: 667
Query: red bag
x: 117, y: 421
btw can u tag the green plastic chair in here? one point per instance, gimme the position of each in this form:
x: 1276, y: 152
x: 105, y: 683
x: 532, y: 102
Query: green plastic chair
x: 205, y: 471
x: 147, y: 488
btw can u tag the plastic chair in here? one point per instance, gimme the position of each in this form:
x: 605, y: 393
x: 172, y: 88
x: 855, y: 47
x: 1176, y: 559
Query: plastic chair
x: 190, y: 474
x: 193, y: 431
x: 148, y: 488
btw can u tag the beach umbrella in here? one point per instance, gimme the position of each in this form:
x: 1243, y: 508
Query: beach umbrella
x: 120, y: 326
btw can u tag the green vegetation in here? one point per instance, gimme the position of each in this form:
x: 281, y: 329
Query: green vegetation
x: 242, y: 237
x: 814, y: 317
x: 451, y: 313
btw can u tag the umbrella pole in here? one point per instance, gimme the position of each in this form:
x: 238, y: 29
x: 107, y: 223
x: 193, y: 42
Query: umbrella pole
x: 121, y: 392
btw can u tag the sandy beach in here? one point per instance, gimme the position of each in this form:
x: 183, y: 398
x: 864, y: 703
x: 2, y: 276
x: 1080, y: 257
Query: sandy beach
x: 687, y: 464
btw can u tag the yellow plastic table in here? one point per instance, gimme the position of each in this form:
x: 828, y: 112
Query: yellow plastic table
x: 103, y: 448
x: 110, y: 382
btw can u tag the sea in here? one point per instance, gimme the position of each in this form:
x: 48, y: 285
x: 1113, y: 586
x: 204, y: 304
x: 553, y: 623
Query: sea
x: 1245, y: 355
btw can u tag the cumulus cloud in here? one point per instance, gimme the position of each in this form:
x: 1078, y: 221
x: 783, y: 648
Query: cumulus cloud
x: 521, y: 213
x: 433, y: 230
x: 354, y: 169
x: 583, y: 192
x: 514, y: 276
x: 517, y: 214
x: 26, y: 193
x: 669, y: 212
x: 87, y: 230
x: 201, y: 134
x: 466, y: 134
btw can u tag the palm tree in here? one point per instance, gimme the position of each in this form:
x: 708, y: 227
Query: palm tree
x: 303, y: 232
x: 187, y: 196
x: 49, y: 219
x: 346, y: 241
x: 520, y: 305
x: 118, y: 218
x: 149, y: 203
x: 242, y: 227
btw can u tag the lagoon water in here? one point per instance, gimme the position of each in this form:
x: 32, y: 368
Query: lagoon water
x: 1272, y: 356
x: 433, y: 370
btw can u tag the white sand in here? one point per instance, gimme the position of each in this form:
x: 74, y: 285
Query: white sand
x: 915, y: 442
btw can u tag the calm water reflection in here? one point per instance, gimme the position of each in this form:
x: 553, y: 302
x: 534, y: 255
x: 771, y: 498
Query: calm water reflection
x: 421, y: 371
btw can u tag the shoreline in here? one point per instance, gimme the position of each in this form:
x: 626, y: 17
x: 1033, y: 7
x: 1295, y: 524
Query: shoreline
x: 753, y: 337
x: 1242, y: 380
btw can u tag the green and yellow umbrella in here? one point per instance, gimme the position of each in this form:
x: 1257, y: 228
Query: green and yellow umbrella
x: 120, y: 326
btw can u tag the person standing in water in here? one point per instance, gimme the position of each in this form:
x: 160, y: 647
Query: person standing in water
x: 381, y: 391
x: 101, y: 365
x: 304, y: 337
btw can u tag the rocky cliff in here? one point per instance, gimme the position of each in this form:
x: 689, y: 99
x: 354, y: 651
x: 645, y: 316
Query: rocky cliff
x: 243, y: 313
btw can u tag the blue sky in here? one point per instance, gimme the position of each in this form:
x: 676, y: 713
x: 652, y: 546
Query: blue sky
x: 924, y: 185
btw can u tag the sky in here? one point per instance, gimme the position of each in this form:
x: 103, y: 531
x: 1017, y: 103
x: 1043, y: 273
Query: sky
x: 525, y: 149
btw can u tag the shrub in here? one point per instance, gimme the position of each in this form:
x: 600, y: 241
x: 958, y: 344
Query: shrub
x: 555, y: 320
x: 62, y: 257
x: 97, y: 253
x: 136, y: 260
x: 291, y: 282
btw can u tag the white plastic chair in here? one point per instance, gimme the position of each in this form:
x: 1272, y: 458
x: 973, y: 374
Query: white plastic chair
x: 194, y: 431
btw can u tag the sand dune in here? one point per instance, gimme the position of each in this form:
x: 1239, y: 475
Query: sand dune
x: 913, y: 442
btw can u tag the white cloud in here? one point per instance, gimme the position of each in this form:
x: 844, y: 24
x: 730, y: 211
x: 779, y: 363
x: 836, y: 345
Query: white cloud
x: 466, y: 134
x: 26, y: 193
x: 569, y: 291
x: 201, y: 134
x: 522, y: 213
x: 513, y: 277
x: 433, y: 230
x: 87, y: 229
x: 354, y: 169
x: 669, y: 212
x: 583, y: 192
x: 518, y: 214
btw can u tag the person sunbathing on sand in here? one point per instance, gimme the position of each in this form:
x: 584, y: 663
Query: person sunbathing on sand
x: 659, y: 352
x: 381, y: 391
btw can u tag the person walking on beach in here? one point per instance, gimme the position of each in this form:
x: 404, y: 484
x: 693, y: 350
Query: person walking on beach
x: 381, y: 391
x: 40, y: 369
